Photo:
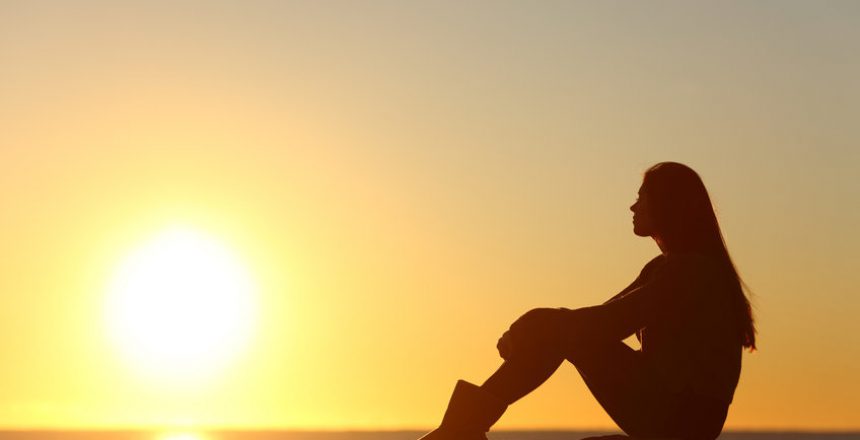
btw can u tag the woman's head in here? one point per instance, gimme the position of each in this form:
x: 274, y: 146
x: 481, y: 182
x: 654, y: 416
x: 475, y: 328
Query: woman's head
x: 679, y: 209
x: 675, y: 209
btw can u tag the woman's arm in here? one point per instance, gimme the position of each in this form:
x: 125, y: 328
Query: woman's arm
x: 625, y: 314
x: 614, y: 320
x: 642, y: 278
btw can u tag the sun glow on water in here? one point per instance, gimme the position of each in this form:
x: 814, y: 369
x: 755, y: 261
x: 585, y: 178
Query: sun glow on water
x: 181, y: 436
x: 181, y: 304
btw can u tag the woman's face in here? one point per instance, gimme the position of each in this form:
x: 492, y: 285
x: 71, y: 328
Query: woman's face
x: 643, y: 222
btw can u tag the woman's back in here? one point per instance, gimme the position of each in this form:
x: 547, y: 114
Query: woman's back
x: 694, y: 344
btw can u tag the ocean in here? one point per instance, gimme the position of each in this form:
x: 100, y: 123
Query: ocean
x: 377, y: 435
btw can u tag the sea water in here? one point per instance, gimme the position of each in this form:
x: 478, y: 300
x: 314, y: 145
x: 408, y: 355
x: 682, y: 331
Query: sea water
x: 377, y: 435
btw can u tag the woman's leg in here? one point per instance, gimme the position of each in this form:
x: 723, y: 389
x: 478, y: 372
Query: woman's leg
x: 627, y: 389
x: 614, y: 373
x: 520, y: 375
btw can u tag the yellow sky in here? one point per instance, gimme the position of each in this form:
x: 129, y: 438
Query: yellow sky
x: 403, y: 181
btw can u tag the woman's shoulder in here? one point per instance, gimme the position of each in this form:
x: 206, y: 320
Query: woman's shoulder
x: 651, y: 268
x: 682, y: 268
x: 685, y: 265
x: 654, y: 262
x: 692, y: 260
x: 697, y: 270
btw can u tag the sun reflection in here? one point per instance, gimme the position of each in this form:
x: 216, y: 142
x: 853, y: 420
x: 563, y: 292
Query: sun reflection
x: 181, y: 436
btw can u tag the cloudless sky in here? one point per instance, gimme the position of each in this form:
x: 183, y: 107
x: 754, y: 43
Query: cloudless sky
x: 405, y: 179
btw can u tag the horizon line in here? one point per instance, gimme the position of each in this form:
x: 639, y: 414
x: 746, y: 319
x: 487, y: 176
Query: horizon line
x: 140, y: 428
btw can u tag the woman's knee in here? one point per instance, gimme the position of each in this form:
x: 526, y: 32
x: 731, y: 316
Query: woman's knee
x: 552, y: 332
x: 535, y: 347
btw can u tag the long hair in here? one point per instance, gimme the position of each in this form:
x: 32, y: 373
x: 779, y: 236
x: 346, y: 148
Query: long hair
x: 685, y: 221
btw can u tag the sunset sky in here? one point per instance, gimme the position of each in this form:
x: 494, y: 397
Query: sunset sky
x: 396, y: 182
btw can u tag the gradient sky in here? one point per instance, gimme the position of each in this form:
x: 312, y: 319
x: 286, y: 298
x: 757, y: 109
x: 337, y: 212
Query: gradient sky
x: 404, y: 180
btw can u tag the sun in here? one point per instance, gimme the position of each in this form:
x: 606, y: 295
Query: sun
x: 181, y: 304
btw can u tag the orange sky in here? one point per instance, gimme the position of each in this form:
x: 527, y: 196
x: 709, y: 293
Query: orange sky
x: 403, y: 181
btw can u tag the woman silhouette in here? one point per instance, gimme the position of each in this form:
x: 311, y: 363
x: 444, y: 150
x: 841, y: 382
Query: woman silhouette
x: 687, y: 307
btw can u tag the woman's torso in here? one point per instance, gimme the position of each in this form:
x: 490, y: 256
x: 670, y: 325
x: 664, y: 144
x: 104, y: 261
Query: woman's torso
x: 694, y: 346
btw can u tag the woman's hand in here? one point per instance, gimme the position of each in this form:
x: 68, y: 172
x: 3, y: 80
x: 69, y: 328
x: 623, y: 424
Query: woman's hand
x: 536, y: 327
x: 505, y: 346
